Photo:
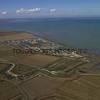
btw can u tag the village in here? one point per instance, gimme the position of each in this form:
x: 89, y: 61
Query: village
x: 38, y: 45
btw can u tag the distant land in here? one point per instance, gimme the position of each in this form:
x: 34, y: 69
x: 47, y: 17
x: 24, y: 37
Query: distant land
x: 6, y: 36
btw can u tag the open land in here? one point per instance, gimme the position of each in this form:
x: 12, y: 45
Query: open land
x: 14, y: 36
x: 51, y: 75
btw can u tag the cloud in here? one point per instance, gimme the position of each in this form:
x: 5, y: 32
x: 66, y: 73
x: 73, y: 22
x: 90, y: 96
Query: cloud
x: 4, y: 12
x: 32, y: 10
x: 52, y: 10
x: 20, y: 10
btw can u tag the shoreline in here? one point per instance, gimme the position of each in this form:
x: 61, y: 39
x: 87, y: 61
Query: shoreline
x: 10, y: 32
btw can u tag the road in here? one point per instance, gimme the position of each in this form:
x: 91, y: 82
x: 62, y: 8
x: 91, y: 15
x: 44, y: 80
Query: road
x: 9, y: 69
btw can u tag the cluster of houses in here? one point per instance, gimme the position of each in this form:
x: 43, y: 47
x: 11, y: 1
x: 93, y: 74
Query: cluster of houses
x: 43, y: 46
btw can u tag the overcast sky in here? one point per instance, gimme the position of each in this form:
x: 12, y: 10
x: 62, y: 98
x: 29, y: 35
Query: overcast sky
x: 49, y: 8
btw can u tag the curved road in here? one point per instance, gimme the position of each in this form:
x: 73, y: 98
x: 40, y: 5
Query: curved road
x: 9, y: 71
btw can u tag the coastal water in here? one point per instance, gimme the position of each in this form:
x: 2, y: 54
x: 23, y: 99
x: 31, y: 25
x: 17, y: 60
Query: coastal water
x: 75, y: 32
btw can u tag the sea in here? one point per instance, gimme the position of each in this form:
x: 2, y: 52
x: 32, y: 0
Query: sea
x: 73, y: 32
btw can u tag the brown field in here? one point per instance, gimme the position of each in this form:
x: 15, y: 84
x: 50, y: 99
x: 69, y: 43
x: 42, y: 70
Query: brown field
x: 14, y: 36
x: 85, y: 88
x: 2, y: 66
x: 41, y: 86
x: 8, y: 91
x: 44, y: 87
x: 49, y: 88
x: 6, y: 52
x: 22, y: 69
x: 37, y: 59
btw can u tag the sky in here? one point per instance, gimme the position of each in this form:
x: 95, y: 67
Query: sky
x: 49, y: 8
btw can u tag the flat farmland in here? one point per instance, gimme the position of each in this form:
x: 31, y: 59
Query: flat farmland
x: 21, y: 69
x: 85, y: 88
x: 41, y: 86
x: 65, y: 64
x: 3, y: 66
x: 9, y: 91
x: 37, y: 59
